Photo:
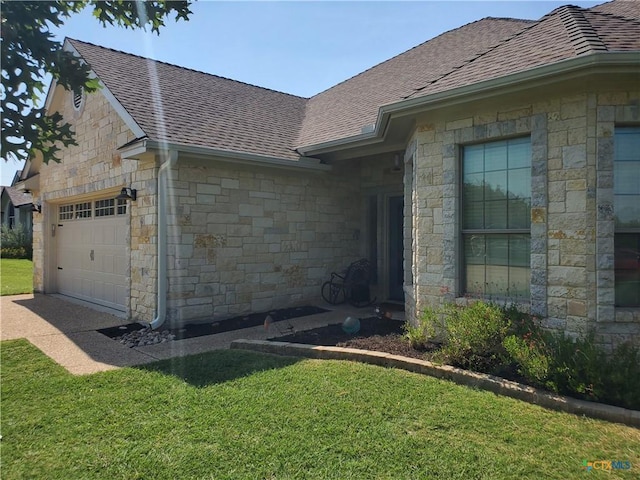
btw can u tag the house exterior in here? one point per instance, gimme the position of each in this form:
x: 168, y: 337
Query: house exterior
x: 498, y: 160
x: 16, y: 206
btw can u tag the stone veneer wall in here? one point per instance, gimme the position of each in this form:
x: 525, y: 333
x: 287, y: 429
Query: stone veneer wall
x: 247, y: 239
x: 144, y: 246
x: 88, y: 168
x: 572, y: 284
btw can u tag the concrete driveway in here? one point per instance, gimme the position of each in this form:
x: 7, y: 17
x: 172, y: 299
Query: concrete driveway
x: 66, y: 332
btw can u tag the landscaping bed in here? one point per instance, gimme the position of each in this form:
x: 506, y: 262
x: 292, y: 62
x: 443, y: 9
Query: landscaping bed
x: 486, y: 338
x: 379, y: 334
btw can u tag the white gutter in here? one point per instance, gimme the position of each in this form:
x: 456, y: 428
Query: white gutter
x: 161, y: 313
x: 505, y: 84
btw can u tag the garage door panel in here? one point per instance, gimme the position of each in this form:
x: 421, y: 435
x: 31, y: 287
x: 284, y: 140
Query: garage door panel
x: 92, y: 260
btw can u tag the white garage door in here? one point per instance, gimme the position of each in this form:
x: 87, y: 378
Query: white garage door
x: 92, y: 262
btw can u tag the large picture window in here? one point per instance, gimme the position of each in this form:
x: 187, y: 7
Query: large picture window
x: 496, y: 218
x: 626, y: 184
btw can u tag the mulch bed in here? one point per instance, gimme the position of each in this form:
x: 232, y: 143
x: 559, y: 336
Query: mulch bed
x: 211, y: 328
x: 379, y: 334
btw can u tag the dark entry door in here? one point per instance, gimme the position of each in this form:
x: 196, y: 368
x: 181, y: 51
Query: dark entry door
x: 396, y: 270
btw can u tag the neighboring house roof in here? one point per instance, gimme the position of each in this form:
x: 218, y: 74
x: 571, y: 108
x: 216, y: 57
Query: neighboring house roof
x: 17, y: 197
x: 194, y: 108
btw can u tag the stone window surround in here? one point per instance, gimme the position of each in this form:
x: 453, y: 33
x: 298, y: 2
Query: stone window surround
x: 453, y: 139
x: 608, y: 118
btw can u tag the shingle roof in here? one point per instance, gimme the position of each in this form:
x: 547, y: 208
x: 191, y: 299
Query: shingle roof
x: 621, y: 8
x: 195, y: 108
x: 565, y: 33
x: 18, y: 197
x: 343, y: 110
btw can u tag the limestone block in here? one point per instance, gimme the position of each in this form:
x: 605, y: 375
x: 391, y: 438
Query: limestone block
x: 574, y: 156
x: 230, y: 183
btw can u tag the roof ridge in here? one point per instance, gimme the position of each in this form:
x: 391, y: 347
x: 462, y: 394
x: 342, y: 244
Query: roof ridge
x: 491, y: 49
x: 185, y: 68
x: 582, y: 35
x: 420, y: 45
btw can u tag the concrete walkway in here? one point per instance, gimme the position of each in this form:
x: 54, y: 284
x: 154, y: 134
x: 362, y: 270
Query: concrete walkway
x: 66, y: 332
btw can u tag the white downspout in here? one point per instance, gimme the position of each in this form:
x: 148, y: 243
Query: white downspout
x: 161, y: 313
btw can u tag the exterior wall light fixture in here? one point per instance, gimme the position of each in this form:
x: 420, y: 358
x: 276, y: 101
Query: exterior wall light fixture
x: 36, y: 207
x: 397, y: 166
x: 128, y: 194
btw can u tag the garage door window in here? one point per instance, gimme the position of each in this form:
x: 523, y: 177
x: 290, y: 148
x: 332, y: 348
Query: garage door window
x: 105, y: 208
x: 83, y: 210
x: 99, y: 208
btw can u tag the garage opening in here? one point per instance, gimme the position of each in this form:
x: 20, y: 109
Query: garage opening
x: 92, y: 255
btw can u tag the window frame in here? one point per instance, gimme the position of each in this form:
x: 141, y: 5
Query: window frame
x: 485, y: 232
x: 69, y: 212
x: 621, y: 230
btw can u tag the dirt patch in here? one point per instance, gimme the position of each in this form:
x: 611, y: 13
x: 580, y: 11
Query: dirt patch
x: 379, y: 334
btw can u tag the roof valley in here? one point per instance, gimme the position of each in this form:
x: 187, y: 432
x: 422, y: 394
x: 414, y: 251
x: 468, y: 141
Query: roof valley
x: 478, y: 56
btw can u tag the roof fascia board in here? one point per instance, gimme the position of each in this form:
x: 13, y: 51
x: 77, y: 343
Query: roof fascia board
x: 146, y: 145
x: 117, y: 106
x: 32, y: 183
x: 548, y: 73
x: 49, y: 99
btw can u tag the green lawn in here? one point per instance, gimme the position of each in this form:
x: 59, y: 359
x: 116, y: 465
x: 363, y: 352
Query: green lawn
x: 235, y: 415
x: 16, y: 276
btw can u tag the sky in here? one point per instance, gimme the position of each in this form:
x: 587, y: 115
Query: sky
x: 301, y: 48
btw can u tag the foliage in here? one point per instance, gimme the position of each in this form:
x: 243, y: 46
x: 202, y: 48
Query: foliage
x: 532, y: 360
x: 16, y: 276
x: 474, y: 336
x: 575, y: 366
x: 29, y: 51
x: 429, y: 329
x: 620, y: 381
x: 580, y: 367
x: 502, y: 340
x: 16, y: 242
x: 231, y: 414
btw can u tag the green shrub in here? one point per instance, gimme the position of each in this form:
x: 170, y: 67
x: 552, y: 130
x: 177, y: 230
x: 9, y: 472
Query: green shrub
x: 576, y: 365
x: 16, y: 242
x: 415, y: 335
x: 620, y: 380
x: 475, y: 335
x: 426, y: 330
x: 531, y: 359
x: 487, y: 338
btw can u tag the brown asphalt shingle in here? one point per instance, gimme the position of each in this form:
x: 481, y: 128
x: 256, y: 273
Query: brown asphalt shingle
x: 565, y: 33
x: 621, y: 8
x: 192, y: 108
x: 18, y: 197
x: 343, y: 110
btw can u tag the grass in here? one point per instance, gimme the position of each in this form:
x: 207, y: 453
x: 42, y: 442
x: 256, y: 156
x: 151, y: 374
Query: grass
x: 234, y: 415
x: 16, y: 276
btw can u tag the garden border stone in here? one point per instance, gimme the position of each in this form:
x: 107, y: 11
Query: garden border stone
x: 463, y: 377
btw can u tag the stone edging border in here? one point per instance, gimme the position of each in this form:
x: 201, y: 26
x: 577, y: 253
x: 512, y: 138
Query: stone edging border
x: 463, y: 377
